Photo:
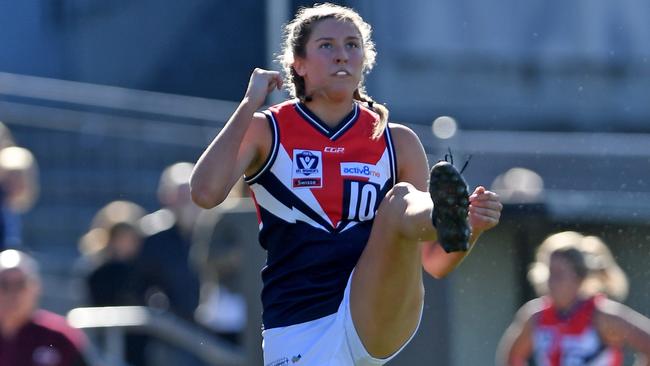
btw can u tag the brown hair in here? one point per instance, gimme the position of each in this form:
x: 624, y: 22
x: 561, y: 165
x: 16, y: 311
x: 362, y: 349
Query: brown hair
x: 113, y: 216
x: 576, y: 258
x: 296, y: 35
x: 603, y: 273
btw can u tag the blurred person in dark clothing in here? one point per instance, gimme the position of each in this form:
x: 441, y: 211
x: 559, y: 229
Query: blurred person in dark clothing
x: 18, y: 192
x: 219, y: 251
x: 166, y: 279
x: 223, y: 307
x: 30, y: 336
x: 108, y: 283
x: 109, y: 248
x: 111, y: 245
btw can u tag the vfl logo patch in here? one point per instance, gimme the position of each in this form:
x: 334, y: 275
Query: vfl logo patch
x: 307, y: 162
x: 307, y: 170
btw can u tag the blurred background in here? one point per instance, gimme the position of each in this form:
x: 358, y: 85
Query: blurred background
x: 548, y: 97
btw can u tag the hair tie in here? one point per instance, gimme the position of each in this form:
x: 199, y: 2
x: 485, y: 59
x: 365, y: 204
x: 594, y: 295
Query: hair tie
x: 371, y: 104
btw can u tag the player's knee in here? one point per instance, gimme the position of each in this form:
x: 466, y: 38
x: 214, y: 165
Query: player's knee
x: 395, y: 203
x: 394, y: 210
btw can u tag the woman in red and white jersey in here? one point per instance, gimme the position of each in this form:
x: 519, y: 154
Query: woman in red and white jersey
x: 574, y: 323
x: 347, y: 211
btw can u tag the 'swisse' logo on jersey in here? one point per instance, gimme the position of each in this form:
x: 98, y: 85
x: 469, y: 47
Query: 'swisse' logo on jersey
x: 307, y: 169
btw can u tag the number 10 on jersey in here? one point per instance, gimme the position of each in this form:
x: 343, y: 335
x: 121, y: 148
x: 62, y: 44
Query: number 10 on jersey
x: 360, y: 200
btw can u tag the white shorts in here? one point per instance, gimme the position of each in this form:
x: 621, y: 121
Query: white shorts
x: 328, y: 341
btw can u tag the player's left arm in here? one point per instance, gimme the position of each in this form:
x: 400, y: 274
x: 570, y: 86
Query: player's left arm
x: 484, y: 211
x: 620, y: 326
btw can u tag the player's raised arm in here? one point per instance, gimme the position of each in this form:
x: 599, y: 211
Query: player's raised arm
x: 239, y: 147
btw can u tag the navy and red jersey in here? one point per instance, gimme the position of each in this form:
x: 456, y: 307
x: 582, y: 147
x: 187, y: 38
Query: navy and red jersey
x: 316, y: 197
x: 571, y: 339
x: 47, y: 340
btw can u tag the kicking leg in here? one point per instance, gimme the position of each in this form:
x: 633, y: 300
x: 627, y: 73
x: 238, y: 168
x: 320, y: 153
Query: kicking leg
x: 387, y: 291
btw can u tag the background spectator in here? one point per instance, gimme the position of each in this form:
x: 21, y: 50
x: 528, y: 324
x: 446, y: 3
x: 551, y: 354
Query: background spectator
x: 219, y: 251
x: 18, y: 192
x: 111, y: 245
x: 165, y: 279
x: 29, y: 336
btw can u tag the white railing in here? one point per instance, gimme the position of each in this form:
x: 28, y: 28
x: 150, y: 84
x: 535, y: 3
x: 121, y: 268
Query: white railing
x: 116, y: 321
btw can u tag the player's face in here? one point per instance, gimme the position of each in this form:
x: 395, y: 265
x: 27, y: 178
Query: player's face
x: 334, y: 59
x: 18, y: 293
x: 126, y: 243
x: 563, y: 282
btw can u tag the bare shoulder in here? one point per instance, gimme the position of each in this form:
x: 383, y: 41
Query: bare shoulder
x: 614, y: 314
x: 517, y: 342
x: 523, y: 321
x: 259, y: 137
x: 530, y: 309
x: 405, y: 140
x: 524, y: 317
x: 620, y: 325
x: 403, y: 134
x: 260, y: 122
x: 610, y: 307
x: 412, y: 164
x: 259, y: 133
x: 611, y: 313
x: 615, y: 321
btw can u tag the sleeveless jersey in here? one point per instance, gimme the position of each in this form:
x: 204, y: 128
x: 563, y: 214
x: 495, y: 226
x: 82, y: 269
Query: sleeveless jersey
x: 572, y: 339
x: 316, y: 197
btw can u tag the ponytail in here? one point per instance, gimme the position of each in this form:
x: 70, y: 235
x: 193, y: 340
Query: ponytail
x: 380, y: 109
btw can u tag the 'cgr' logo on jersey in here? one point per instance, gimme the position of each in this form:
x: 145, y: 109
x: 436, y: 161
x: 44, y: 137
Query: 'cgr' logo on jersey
x: 307, y: 169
